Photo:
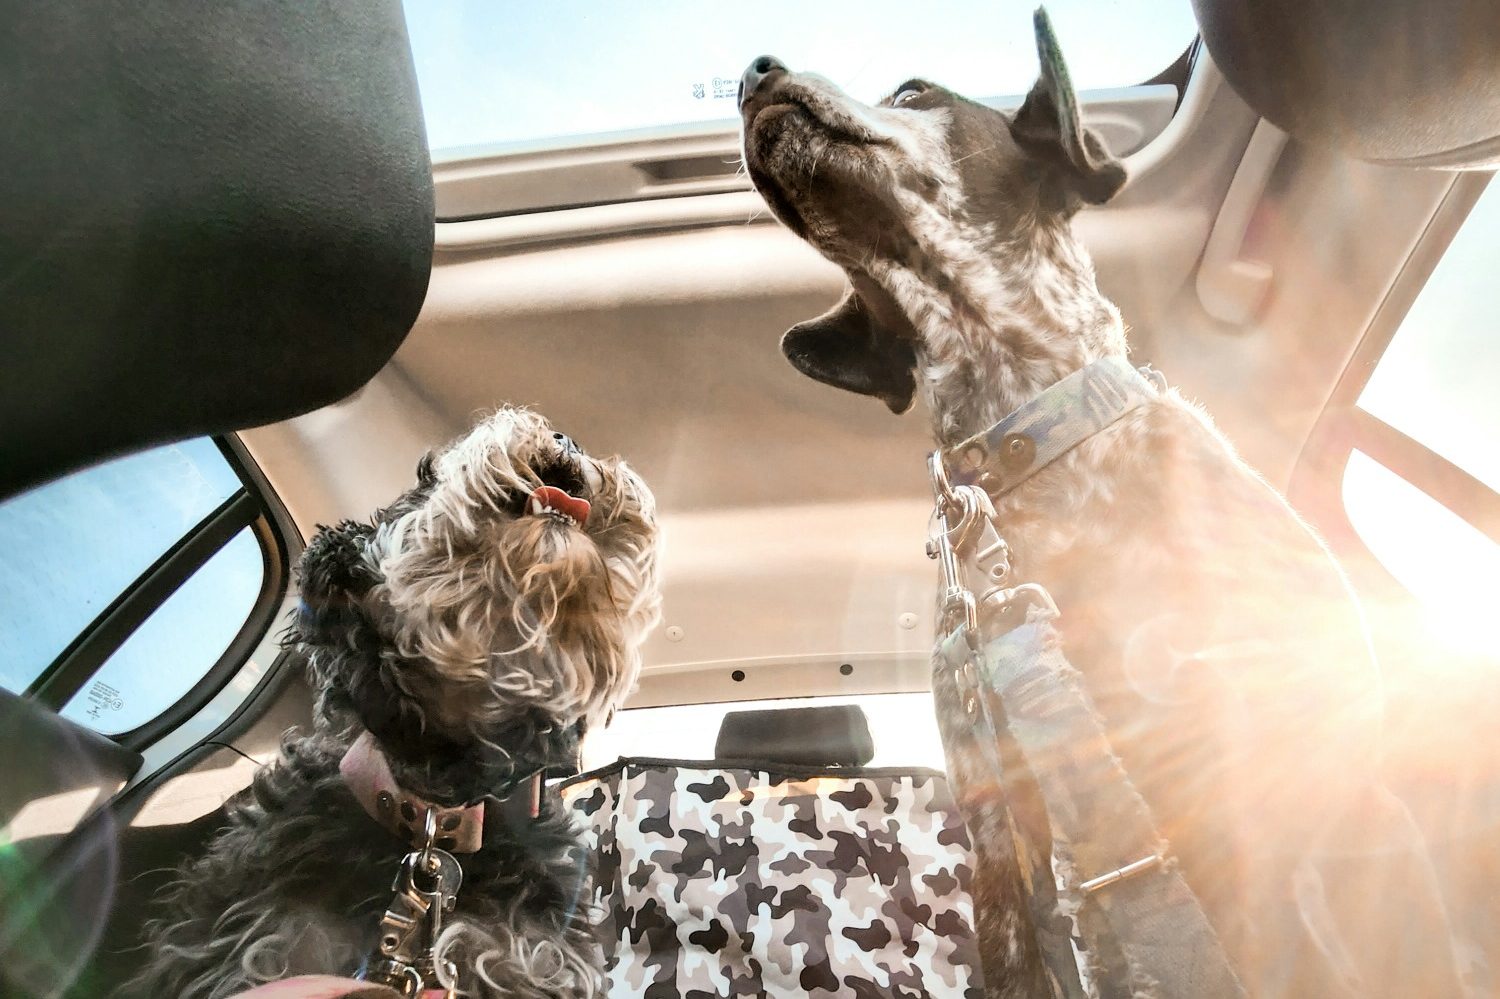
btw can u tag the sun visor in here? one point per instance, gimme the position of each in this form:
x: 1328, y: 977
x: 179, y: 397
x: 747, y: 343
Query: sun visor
x: 215, y: 215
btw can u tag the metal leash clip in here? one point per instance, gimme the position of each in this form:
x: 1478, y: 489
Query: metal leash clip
x: 957, y: 512
x: 964, y: 531
x: 956, y: 515
x: 968, y: 546
x: 426, y: 887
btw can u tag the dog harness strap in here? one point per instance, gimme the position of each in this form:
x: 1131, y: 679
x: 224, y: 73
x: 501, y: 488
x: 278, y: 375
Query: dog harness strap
x: 1116, y: 894
x: 1053, y: 423
x: 366, y: 771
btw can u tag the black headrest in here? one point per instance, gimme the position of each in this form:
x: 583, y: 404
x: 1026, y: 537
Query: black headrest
x: 55, y: 889
x: 216, y: 215
x: 48, y: 755
x: 1393, y: 81
x: 817, y: 737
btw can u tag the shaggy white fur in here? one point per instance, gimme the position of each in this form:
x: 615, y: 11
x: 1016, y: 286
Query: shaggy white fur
x: 476, y: 640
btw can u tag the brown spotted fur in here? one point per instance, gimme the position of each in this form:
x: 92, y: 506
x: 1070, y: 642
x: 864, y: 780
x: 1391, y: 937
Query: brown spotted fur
x: 1219, y: 640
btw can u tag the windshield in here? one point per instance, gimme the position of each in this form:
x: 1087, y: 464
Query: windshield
x: 499, y: 74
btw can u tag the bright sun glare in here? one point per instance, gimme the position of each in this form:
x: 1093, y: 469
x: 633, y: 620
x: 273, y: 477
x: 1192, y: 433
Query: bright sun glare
x: 1450, y: 566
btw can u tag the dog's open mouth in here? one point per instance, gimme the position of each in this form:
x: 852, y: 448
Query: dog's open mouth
x: 550, y: 501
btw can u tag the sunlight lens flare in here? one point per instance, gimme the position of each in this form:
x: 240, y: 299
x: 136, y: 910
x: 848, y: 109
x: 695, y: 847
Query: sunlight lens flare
x: 1447, y: 564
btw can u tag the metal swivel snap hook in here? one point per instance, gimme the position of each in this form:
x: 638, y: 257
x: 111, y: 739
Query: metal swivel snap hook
x: 955, y: 512
x: 427, y: 860
x: 937, y: 470
x: 963, y: 508
x: 426, y: 887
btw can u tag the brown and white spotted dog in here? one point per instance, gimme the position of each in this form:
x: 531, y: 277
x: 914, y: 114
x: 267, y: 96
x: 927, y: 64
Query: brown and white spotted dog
x: 1218, y: 639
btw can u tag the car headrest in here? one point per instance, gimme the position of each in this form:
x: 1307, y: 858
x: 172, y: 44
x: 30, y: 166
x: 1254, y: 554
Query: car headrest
x: 1391, y: 81
x: 56, y: 773
x: 815, y: 737
x: 217, y: 215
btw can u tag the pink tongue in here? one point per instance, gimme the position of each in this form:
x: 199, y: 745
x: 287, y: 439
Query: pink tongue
x: 560, y: 501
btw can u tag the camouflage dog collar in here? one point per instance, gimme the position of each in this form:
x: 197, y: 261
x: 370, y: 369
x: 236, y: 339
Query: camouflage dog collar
x: 1052, y: 424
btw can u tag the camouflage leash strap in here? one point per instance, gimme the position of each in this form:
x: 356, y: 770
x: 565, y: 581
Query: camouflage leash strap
x: 1114, y: 884
x: 1112, y: 913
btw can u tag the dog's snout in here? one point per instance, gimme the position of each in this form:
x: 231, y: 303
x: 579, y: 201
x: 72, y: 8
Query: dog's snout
x: 756, y: 74
x: 565, y: 442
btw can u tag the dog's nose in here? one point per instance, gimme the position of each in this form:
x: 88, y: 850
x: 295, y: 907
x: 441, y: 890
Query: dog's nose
x: 565, y: 442
x: 756, y: 73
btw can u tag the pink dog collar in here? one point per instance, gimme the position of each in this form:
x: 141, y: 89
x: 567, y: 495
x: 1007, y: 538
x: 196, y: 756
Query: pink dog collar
x: 320, y: 987
x: 367, y: 773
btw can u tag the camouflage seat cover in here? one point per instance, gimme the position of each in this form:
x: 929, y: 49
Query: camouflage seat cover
x: 748, y: 880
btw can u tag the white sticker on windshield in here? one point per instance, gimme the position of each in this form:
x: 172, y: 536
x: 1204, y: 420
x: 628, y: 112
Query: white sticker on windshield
x: 101, y: 698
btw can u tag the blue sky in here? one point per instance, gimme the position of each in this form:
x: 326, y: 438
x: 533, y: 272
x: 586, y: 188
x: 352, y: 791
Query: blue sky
x: 499, y: 71
x: 68, y: 549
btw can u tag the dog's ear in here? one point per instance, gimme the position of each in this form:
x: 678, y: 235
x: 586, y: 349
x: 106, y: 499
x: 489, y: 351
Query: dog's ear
x: 334, y: 567
x: 335, y: 576
x: 848, y: 348
x: 1049, y: 128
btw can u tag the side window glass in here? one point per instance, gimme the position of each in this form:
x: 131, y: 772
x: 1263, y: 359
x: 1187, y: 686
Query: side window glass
x: 1452, y: 570
x: 123, y: 584
x: 69, y: 548
x: 1421, y: 484
x: 1438, y: 381
x: 176, y: 645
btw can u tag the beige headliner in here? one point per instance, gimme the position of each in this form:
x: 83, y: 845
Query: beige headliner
x: 794, y: 515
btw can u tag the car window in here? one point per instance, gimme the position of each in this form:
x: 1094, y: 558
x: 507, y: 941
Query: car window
x: 176, y: 645
x: 1420, y: 484
x: 503, y: 73
x: 123, y: 584
x: 1436, y: 381
x: 69, y: 548
x: 1455, y: 569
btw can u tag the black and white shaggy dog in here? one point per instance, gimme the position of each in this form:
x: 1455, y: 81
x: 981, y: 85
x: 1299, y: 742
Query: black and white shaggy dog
x: 473, y: 629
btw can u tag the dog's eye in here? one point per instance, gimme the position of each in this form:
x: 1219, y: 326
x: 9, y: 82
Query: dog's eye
x: 906, y: 94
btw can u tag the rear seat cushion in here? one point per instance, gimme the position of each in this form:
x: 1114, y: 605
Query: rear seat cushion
x: 742, y: 879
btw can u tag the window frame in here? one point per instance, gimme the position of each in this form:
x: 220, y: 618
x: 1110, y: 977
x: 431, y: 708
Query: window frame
x: 83, y: 657
x: 1343, y: 427
x: 697, y: 162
